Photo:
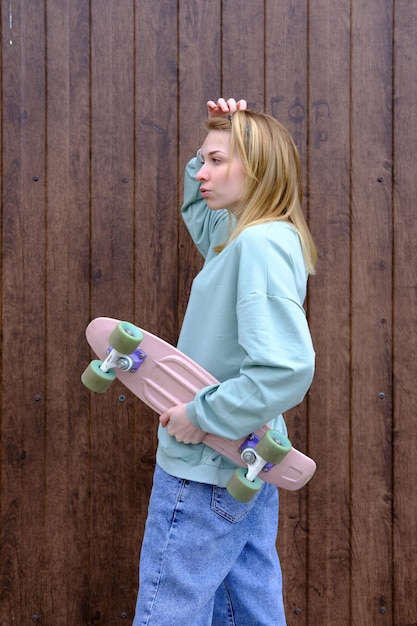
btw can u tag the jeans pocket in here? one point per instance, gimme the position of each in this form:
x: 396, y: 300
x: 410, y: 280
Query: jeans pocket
x: 224, y: 505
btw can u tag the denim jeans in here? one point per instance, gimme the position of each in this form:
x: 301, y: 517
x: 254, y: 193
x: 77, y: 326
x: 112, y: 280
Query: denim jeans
x: 208, y: 560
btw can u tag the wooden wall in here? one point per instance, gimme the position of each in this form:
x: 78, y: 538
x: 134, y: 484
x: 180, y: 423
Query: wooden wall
x: 102, y: 105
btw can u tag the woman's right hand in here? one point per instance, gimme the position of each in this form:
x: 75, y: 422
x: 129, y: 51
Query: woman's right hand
x: 224, y: 107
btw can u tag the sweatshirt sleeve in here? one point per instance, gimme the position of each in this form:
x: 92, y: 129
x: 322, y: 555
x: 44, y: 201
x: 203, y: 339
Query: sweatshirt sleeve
x: 207, y: 228
x: 278, y: 355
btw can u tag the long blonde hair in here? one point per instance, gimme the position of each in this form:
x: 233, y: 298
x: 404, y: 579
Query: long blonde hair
x: 273, y: 187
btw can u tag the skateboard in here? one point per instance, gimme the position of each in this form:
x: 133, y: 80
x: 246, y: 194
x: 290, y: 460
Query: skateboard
x: 163, y: 377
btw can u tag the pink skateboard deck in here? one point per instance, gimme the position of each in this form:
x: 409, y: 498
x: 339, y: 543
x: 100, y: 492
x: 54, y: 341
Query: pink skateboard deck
x: 165, y: 377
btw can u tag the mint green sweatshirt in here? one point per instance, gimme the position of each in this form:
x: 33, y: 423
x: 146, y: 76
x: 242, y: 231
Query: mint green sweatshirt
x: 246, y: 325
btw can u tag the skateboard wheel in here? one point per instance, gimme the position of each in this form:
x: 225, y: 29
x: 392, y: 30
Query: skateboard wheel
x: 95, y: 379
x: 125, y: 338
x: 242, y: 489
x: 273, y: 447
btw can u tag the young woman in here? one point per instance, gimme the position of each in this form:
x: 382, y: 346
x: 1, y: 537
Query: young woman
x: 207, y: 559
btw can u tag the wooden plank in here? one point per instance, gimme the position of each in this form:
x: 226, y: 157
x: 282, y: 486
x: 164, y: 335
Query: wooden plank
x: 112, y: 165
x: 285, y: 97
x: 22, y: 575
x: 286, y: 69
x: 67, y: 455
x: 371, y: 321
x: 156, y: 167
x: 328, y: 209
x: 242, y: 64
x: 199, y: 81
x: 405, y: 313
x: 156, y: 210
x: 113, y: 513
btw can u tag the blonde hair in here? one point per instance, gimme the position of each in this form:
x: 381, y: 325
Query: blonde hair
x: 273, y: 187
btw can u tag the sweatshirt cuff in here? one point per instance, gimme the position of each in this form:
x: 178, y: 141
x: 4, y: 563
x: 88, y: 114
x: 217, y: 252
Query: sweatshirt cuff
x: 192, y: 414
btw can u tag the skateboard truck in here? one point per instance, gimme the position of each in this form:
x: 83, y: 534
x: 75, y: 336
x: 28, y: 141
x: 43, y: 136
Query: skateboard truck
x: 123, y: 354
x: 252, y: 458
x: 126, y: 362
x: 259, y: 454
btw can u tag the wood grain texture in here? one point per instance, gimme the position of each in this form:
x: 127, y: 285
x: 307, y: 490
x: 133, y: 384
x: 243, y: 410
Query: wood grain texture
x: 404, y: 360
x: 113, y: 491
x: 285, y: 97
x: 199, y: 79
x: 157, y: 173
x: 328, y: 209
x: 371, y: 316
x: 102, y: 106
x: 67, y: 455
x: 156, y: 208
x: 23, y: 435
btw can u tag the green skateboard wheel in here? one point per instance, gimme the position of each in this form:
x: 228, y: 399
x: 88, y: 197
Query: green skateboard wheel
x: 95, y: 379
x: 273, y: 447
x: 125, y: 338
x: 241, y: 488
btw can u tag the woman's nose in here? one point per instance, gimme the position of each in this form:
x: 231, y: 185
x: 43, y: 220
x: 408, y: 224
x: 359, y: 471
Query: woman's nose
x: 201, y: 174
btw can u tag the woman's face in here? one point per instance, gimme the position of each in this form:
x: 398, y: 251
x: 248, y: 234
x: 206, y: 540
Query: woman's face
x: 221, y: 180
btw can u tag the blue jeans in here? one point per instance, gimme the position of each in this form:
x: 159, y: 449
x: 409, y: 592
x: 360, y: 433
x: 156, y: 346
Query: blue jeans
x: 208, y: 560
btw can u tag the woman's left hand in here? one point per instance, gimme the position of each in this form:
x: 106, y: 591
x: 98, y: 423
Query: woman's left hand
x: 178, y: 425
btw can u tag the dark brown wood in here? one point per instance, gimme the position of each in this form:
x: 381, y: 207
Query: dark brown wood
x: 199, y: 78
x: 66, y: 582
x: 328, y: 210
x: 242, y: 63
x: 404, y: 571
x: 23, y: 434
x: 371, y: 316
x: 102, y: 106
x: 113, y: 451
x: 156, y: 153
x: 285, y: 98
x: 156, y: 206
